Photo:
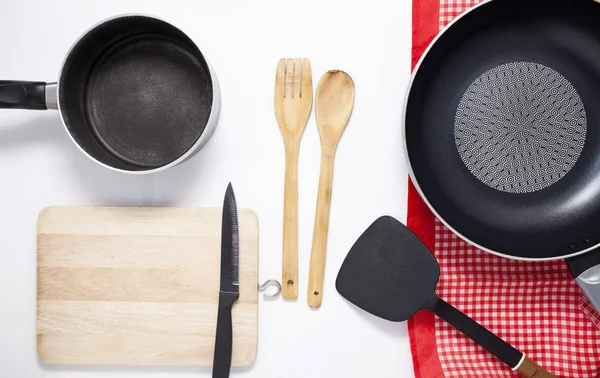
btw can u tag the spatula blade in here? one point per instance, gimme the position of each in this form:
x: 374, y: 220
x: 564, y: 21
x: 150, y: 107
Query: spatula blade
x: 389, y: 272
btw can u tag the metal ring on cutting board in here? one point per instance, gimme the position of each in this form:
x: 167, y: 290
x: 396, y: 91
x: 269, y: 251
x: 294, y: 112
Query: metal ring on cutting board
x: 268, y: 284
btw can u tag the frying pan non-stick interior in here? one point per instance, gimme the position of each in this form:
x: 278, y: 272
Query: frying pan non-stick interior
x: 135, y: 93
x: 502, y: 127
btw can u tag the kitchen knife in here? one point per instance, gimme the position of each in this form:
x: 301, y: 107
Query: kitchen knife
x: 230, y: 286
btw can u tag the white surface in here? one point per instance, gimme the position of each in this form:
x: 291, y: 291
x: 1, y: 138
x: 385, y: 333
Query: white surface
x: 39, y: 166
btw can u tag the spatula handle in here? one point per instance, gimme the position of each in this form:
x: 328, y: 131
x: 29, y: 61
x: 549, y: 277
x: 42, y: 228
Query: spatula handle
x: 290, y: 225
x: 321, y: 230
x: 530, y: 369
x: 488, y: 340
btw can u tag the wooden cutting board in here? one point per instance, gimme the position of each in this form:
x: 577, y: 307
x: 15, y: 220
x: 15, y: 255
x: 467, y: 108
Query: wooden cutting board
x: 139, y: 286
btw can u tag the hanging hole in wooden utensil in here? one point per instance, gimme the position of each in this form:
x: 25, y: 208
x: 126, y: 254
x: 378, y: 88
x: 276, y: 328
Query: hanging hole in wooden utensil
x: 316, y: 293
x: 290, y: 282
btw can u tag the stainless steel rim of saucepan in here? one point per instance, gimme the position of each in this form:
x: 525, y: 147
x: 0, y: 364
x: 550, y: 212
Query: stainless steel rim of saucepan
x: 52, y: 93
x: 411, y: 171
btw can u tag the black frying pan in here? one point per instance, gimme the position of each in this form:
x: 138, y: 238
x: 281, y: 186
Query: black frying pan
x: 502, y: 130
x: 135, y: 93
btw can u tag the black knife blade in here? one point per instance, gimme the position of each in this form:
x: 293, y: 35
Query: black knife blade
x: 230, y: 286
x: 230, y: 249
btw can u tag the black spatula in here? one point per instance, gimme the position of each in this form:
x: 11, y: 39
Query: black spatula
x: 391, y: 274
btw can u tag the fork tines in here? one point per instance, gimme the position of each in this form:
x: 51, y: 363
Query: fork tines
x: 293, y: 71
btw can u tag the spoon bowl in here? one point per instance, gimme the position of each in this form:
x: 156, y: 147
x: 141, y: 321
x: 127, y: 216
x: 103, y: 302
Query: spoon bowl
x: 333, y: 106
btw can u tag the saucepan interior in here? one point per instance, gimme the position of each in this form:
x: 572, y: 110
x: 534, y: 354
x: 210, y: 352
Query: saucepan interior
x: 136, y: 94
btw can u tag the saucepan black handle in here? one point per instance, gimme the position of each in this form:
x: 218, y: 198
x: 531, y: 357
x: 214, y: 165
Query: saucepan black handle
x: 585, y: 268
x: 22, y: 95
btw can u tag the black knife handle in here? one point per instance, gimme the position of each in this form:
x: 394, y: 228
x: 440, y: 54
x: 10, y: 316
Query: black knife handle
x: 224, y: 338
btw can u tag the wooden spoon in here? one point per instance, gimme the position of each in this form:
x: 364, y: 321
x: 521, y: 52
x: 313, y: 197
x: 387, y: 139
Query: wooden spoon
x: 333, y: 106
x: 293, y: 103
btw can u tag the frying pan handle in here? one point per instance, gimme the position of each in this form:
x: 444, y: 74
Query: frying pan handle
x: 22, y: 95
x: 585, y: 268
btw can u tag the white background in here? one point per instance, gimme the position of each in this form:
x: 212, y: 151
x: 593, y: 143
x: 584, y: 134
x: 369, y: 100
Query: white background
x: 243, y: 39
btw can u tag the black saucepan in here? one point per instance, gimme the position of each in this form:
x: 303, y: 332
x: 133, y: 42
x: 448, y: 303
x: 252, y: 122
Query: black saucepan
x: 502, y: 131
x: 134, y: 92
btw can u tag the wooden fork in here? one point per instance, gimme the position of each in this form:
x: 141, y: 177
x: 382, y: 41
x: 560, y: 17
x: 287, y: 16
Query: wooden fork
x: 293, y: 104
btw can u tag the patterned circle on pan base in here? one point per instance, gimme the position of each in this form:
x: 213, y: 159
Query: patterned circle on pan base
x: 520, y: 127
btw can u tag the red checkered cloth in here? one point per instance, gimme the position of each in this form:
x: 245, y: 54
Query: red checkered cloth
x: 449, y: 9
x: 535, y: 306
